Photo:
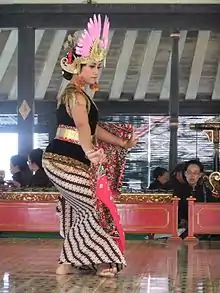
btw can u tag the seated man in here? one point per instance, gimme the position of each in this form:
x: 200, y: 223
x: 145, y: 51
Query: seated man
x: 193, y: 185
x: 39, y: 179
x: 161, y: 179
x: 21, y: 175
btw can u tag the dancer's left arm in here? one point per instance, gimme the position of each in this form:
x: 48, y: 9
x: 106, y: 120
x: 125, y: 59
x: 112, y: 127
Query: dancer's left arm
x: 107, y: 137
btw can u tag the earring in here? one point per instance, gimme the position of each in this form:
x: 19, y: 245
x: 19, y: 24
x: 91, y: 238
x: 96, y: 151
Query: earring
x: 95, y: 87
x: 80, y: 82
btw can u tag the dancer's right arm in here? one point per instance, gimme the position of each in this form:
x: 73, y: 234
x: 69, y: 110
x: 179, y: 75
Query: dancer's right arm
x: 78, y: 111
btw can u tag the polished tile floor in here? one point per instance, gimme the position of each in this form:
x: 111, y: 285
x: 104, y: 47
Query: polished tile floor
x: 27, y: 266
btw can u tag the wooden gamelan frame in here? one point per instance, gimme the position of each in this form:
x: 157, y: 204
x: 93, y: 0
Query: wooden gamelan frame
x: 139, y: 213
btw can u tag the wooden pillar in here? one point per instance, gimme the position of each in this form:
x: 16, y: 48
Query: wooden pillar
x: 191, y: 218
x: 174, y: 102
x: 216, y: 156
x: 175, y: 203
x: 26, y: 85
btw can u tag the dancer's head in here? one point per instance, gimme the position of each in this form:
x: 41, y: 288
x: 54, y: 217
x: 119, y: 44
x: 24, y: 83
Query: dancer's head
x: 87, y: 51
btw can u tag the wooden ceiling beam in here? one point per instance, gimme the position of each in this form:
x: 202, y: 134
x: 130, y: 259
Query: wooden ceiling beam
x: 111, y: 108
x: 154, y: 16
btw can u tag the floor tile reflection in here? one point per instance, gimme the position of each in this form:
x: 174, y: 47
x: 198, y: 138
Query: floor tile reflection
x: 153, y: 267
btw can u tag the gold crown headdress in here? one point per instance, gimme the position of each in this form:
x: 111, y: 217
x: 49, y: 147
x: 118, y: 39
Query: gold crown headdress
x: 90, y: 47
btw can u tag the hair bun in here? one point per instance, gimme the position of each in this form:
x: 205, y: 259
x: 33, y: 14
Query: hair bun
x: 67, y: 75
x: 71, y: 41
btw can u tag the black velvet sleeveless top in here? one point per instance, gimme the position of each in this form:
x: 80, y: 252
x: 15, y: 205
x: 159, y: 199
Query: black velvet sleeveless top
x: 65, y: 148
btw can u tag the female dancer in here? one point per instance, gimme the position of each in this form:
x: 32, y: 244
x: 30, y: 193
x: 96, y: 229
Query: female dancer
x: 70, y: 158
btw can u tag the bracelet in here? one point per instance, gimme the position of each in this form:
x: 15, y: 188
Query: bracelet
x: 89, y: 152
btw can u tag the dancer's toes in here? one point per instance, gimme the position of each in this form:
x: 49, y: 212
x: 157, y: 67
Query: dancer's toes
x: 107, y: 273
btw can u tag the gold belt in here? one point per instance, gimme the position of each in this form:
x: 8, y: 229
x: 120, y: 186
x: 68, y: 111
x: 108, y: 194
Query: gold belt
x: 69, y: 134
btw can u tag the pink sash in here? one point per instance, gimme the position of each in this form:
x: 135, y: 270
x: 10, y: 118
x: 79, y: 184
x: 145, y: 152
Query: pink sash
x: 107, y: 186
x: 104, y: 194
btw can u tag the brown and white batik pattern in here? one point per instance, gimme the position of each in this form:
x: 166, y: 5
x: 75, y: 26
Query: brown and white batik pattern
x: 86, y: 242
x: 66, y: 216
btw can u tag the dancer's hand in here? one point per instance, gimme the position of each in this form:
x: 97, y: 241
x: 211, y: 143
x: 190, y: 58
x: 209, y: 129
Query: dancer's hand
x: 128, y: 144
x: 96, y: 156
x: 103, y: 158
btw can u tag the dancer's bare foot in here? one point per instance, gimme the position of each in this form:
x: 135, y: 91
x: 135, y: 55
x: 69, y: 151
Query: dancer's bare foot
x: 107, y: 272
x: 86, y: 269
x: 65, y: 269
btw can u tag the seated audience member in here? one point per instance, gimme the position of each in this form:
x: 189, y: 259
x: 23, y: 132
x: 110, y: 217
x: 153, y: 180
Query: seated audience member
x: 21, y: 175
x: 161, y: 179
x: 193, y: 185
x: 2, y: 178
x: 194, y: 172
x: 39, y: 179
x: 177, y: 176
